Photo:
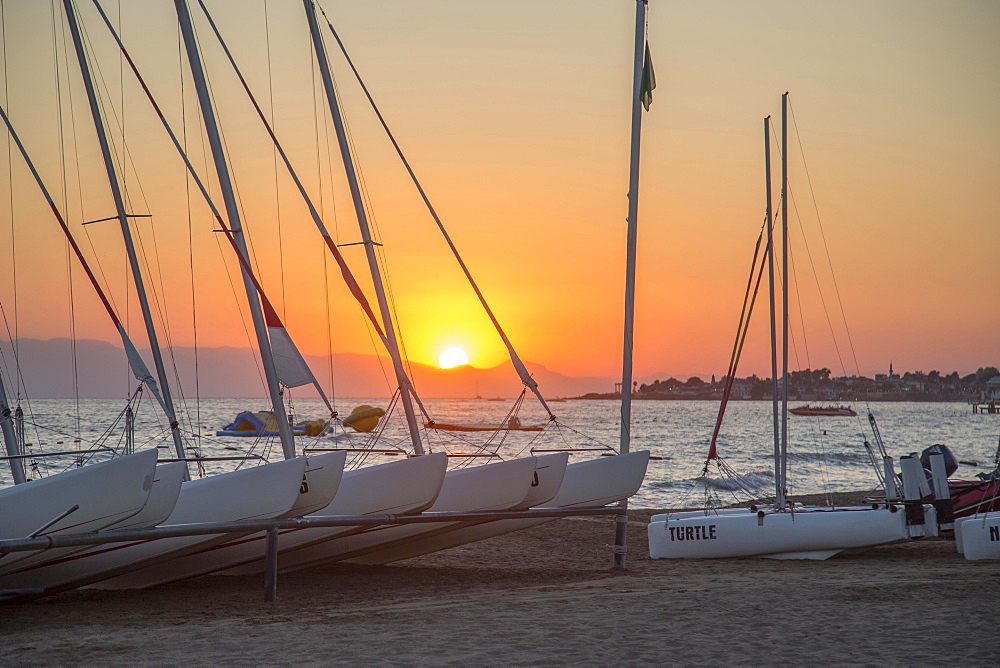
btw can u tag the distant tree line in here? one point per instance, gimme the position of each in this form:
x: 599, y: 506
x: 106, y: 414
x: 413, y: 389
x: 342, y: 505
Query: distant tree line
x: 819, y: 384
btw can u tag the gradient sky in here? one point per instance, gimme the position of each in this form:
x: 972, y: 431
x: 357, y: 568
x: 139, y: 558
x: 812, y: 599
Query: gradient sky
x: 515, y: 116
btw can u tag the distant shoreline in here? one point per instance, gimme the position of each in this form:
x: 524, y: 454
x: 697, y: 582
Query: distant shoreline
x: 638, y: 397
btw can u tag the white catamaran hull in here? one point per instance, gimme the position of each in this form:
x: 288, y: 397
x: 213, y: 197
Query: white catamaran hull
x: 978, y: 537
x: 808, y: 533
x: 258, y: 492
x: 588, y: 484
x: 103, y: 494
x: 401, y: 487
x: 497, y: 486
x: 319, y: 486
x: 549, y: 473
x: 550, y: 470
x: 167, y: 481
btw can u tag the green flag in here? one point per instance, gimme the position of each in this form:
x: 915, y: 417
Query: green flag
x: 648, y: 81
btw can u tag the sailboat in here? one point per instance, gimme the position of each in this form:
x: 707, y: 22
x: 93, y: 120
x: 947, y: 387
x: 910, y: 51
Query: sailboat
x: 785, y: 530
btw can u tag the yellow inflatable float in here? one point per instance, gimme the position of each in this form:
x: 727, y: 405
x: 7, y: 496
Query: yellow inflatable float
x: 364, y: 418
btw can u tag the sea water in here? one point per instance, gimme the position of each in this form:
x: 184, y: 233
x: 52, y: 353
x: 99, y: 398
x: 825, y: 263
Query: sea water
x: 824, y: 454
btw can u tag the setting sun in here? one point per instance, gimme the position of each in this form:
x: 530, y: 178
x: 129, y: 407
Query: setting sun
x: 453, y: 357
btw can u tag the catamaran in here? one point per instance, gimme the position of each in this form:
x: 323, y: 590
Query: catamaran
x: 783, y: 529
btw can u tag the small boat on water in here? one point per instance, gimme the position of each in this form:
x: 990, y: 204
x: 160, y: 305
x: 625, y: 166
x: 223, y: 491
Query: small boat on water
x: 823, y: 411
x: 513, y: 423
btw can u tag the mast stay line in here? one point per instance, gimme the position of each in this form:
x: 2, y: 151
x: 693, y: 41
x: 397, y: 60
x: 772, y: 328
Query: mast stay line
x: 741, y: 334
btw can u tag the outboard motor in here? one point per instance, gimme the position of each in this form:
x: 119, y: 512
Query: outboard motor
x: 950, y: 461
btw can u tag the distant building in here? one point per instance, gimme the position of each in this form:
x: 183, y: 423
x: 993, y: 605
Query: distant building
x: 992, y: 391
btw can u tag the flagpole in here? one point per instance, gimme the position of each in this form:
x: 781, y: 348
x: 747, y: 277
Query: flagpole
x: 621, y: 522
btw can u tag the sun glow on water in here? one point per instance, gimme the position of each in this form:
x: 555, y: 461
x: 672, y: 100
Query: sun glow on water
x: 452, y: 357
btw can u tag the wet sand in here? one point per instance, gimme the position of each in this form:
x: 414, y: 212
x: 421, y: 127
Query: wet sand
x: 546, y: 595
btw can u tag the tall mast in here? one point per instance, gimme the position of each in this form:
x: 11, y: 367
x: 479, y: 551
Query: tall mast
x: 140, y: 288
x: 233, y: 213
x: 779, y: 494
x: 633, y: 212
x: 405, y: 388
x: 621, y: 522
x: 784, y: 293
x: 10, y: 438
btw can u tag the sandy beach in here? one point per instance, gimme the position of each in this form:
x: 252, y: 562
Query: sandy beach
x: 547, y: 595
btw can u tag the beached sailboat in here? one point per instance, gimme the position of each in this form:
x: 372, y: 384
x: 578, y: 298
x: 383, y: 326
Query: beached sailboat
x: 75, y: 501
x: 975, y: 505
x: 587, y: 484
x: 402, y: 487
x: 969, y: 497
x: 783, y: 530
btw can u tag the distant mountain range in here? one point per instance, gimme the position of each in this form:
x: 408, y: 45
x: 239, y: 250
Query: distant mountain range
x: 47, y: 371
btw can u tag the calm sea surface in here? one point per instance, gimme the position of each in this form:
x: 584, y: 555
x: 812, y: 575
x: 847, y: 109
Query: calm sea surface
x: 825, y: 454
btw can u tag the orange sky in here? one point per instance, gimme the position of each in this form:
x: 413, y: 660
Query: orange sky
x: 515, y: 117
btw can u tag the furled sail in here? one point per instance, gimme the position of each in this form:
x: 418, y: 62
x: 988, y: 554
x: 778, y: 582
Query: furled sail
x: 292, y: 368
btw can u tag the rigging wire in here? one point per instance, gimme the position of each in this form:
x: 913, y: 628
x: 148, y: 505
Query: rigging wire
x: 741, y: 332
x: 191, y: 269
x: 819, y: 221
x: 74, y: 368
x: 15, y: 342
x: 380, y: 254
x: 825, y: 463
x: 274, y: 162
